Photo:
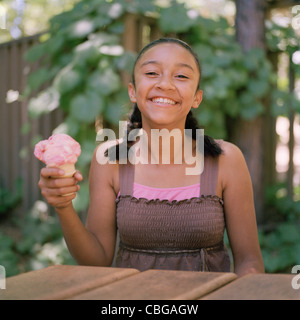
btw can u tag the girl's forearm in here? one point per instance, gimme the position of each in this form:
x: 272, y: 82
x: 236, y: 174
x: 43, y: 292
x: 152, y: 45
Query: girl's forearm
x: 252, y: 266
x: 82, y: 244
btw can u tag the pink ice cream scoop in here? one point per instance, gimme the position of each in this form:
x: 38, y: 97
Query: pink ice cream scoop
x: 59, y: 151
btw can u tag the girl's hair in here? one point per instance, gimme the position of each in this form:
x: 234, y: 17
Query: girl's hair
x: 211, y: 147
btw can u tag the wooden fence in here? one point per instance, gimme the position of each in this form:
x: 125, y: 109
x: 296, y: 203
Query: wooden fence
x: 16, y: 160
x: 16, y: 149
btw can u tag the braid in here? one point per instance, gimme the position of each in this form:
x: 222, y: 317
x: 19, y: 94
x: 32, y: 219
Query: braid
x: 211, y: 147
x: 191, y: 123
x: 135, y: 119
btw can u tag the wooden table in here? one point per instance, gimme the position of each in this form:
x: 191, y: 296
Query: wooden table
x: 99, y: 283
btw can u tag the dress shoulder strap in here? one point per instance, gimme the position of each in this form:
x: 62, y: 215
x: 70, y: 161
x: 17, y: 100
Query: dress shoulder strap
x: 209, y: 176
x: 126, y: 178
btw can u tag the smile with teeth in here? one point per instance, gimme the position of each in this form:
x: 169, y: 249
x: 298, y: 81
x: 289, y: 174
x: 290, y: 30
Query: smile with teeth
x: 163, y: 101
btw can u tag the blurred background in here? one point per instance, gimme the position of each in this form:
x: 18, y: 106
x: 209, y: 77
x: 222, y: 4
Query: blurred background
x: 65, y: 66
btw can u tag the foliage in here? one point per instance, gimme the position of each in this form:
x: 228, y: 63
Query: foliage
x: 283, y: 40
x: 81, y: 65
x: 8, y: 258
x: 281, y: 245
x: 9, y: 199
x: 24, y: 18
x: 39, y: 245
x: 86, y: 57
x: 82, y: 60
x: 233, y: 82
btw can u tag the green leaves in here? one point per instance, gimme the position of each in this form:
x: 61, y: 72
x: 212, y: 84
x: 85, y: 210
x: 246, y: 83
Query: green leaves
x: 81, y: 28
x: 8, y: 199
x: 81, y: 62
x: 105, y: 82
x: 175, y: 18
x: 67, y: 79
x: 84, y: 51
x: 233, y: 82
x: 86, y: 107
x: 7, y: 257
x: 86, y: 56
x: 117, y: 107
x: 281, y: 245
x: 250, y: 107
x: 281, y: 248
x: 36, y: 79
x: 45, y: 102
x: 36, y: 52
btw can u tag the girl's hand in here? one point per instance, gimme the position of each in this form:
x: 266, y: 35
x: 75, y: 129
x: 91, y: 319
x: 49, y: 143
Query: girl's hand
x: 58, y: 192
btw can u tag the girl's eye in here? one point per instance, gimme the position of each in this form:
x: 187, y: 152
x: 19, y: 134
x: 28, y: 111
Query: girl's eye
x: 181, y: 76
x: 152, y: 73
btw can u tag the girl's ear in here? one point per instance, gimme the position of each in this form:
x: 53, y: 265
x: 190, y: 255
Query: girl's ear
x: 131, y: 92
x: 197, y: 99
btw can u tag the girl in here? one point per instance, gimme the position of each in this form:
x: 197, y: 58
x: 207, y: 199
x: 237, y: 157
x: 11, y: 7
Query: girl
x: 166, y: 219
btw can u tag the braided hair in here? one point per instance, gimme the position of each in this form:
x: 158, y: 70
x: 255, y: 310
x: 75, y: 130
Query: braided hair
x: 211, y: 147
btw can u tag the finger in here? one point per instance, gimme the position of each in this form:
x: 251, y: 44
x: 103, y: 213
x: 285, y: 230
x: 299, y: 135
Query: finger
x: 59, y: 183
x: 61, y: 201
x: 49, y: 172
x: 69, y: 191
x: 78, y: 176
x: 61, y: 191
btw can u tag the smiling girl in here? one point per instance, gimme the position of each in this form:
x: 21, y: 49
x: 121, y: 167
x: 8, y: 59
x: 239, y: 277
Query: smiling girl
x: 166, y: 219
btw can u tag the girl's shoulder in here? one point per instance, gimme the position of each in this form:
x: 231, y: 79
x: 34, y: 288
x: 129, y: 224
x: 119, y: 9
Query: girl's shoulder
x: 229, y: 150
x: 231, y: 156
x: 231, y: 162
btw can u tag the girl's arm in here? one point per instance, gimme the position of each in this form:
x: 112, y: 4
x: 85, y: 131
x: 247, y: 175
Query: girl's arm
x: 239, y: 211
x: 93, y: 244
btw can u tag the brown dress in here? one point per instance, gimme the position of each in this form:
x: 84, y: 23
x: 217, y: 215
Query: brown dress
x: 177, y: 235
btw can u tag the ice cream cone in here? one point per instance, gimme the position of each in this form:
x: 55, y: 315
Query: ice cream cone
x: 59, y: 151
x: 69, y: 169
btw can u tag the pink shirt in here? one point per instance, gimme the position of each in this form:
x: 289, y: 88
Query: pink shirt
x: 179, y: 193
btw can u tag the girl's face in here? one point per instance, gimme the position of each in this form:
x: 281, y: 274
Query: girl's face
x: 166, y: 81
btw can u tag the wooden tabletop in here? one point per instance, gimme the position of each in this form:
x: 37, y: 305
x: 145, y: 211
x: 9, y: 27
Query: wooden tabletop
x: 258, y: 287
x: 60, y: 282
x: 99, y: 283
x: 160, y: 285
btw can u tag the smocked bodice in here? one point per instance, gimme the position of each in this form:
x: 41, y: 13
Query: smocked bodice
x: 162, y: 234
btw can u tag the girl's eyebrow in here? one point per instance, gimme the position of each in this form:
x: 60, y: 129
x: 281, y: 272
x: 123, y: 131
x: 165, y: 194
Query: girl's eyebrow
x: 180, y: 64
x: 185, y: 65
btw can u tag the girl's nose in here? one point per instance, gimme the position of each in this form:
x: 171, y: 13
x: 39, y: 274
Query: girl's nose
x: 165, y: 83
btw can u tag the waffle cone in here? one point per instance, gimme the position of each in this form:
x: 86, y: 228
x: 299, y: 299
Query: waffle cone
x: 69, y: 169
